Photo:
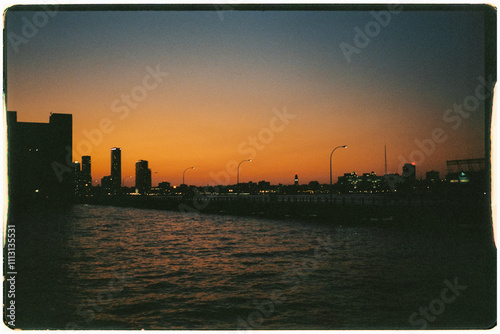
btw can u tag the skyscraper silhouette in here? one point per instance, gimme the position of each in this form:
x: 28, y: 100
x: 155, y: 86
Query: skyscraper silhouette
x: 409, y: 171
x: 142, y: 177
x: 39, y: 159
x: 86, y: 174
x: 86, y: 169
x: 77, y: 178
x: 116, y: 169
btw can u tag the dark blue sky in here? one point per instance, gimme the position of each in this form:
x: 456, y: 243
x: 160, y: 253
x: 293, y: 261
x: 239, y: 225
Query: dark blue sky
x: 230, y: 69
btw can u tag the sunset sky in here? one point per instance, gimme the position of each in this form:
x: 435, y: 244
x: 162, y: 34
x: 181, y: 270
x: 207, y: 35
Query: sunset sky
x: 225, y: 75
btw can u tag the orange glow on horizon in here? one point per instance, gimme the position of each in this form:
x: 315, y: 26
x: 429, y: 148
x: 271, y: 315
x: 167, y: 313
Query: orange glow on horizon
x: 218, y: 101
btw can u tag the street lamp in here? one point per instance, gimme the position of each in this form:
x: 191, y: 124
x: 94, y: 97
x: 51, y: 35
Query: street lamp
x: 238, y: 172
x: 183, y: 173
x: 331, y: 154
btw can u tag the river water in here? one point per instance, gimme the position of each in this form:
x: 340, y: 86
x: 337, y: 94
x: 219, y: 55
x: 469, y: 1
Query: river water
x: 97, y: 267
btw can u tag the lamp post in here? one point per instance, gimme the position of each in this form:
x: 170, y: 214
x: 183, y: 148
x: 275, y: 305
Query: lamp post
x: 331, y: 154
x: 183, y: 173
x: 238, y: 174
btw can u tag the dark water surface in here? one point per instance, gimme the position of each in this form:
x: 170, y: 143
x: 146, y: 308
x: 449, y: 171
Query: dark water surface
x: 96, y: 267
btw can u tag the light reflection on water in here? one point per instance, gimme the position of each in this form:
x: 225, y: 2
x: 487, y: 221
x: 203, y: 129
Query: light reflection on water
x: 135, y: 268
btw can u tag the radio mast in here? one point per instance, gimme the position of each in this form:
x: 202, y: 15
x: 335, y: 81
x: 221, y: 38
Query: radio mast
x: 385, y: 158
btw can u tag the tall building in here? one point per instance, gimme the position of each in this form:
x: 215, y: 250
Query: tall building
x: 116, y: 169
x: 77, y: 178
x: 296, y: 179
x: 142, y: 177
x: 86, y: 169
x: 86, y: 175
x: 107, y: 184
x: 409, y: 171
x: 40, y: 159
x: 76, y: 167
